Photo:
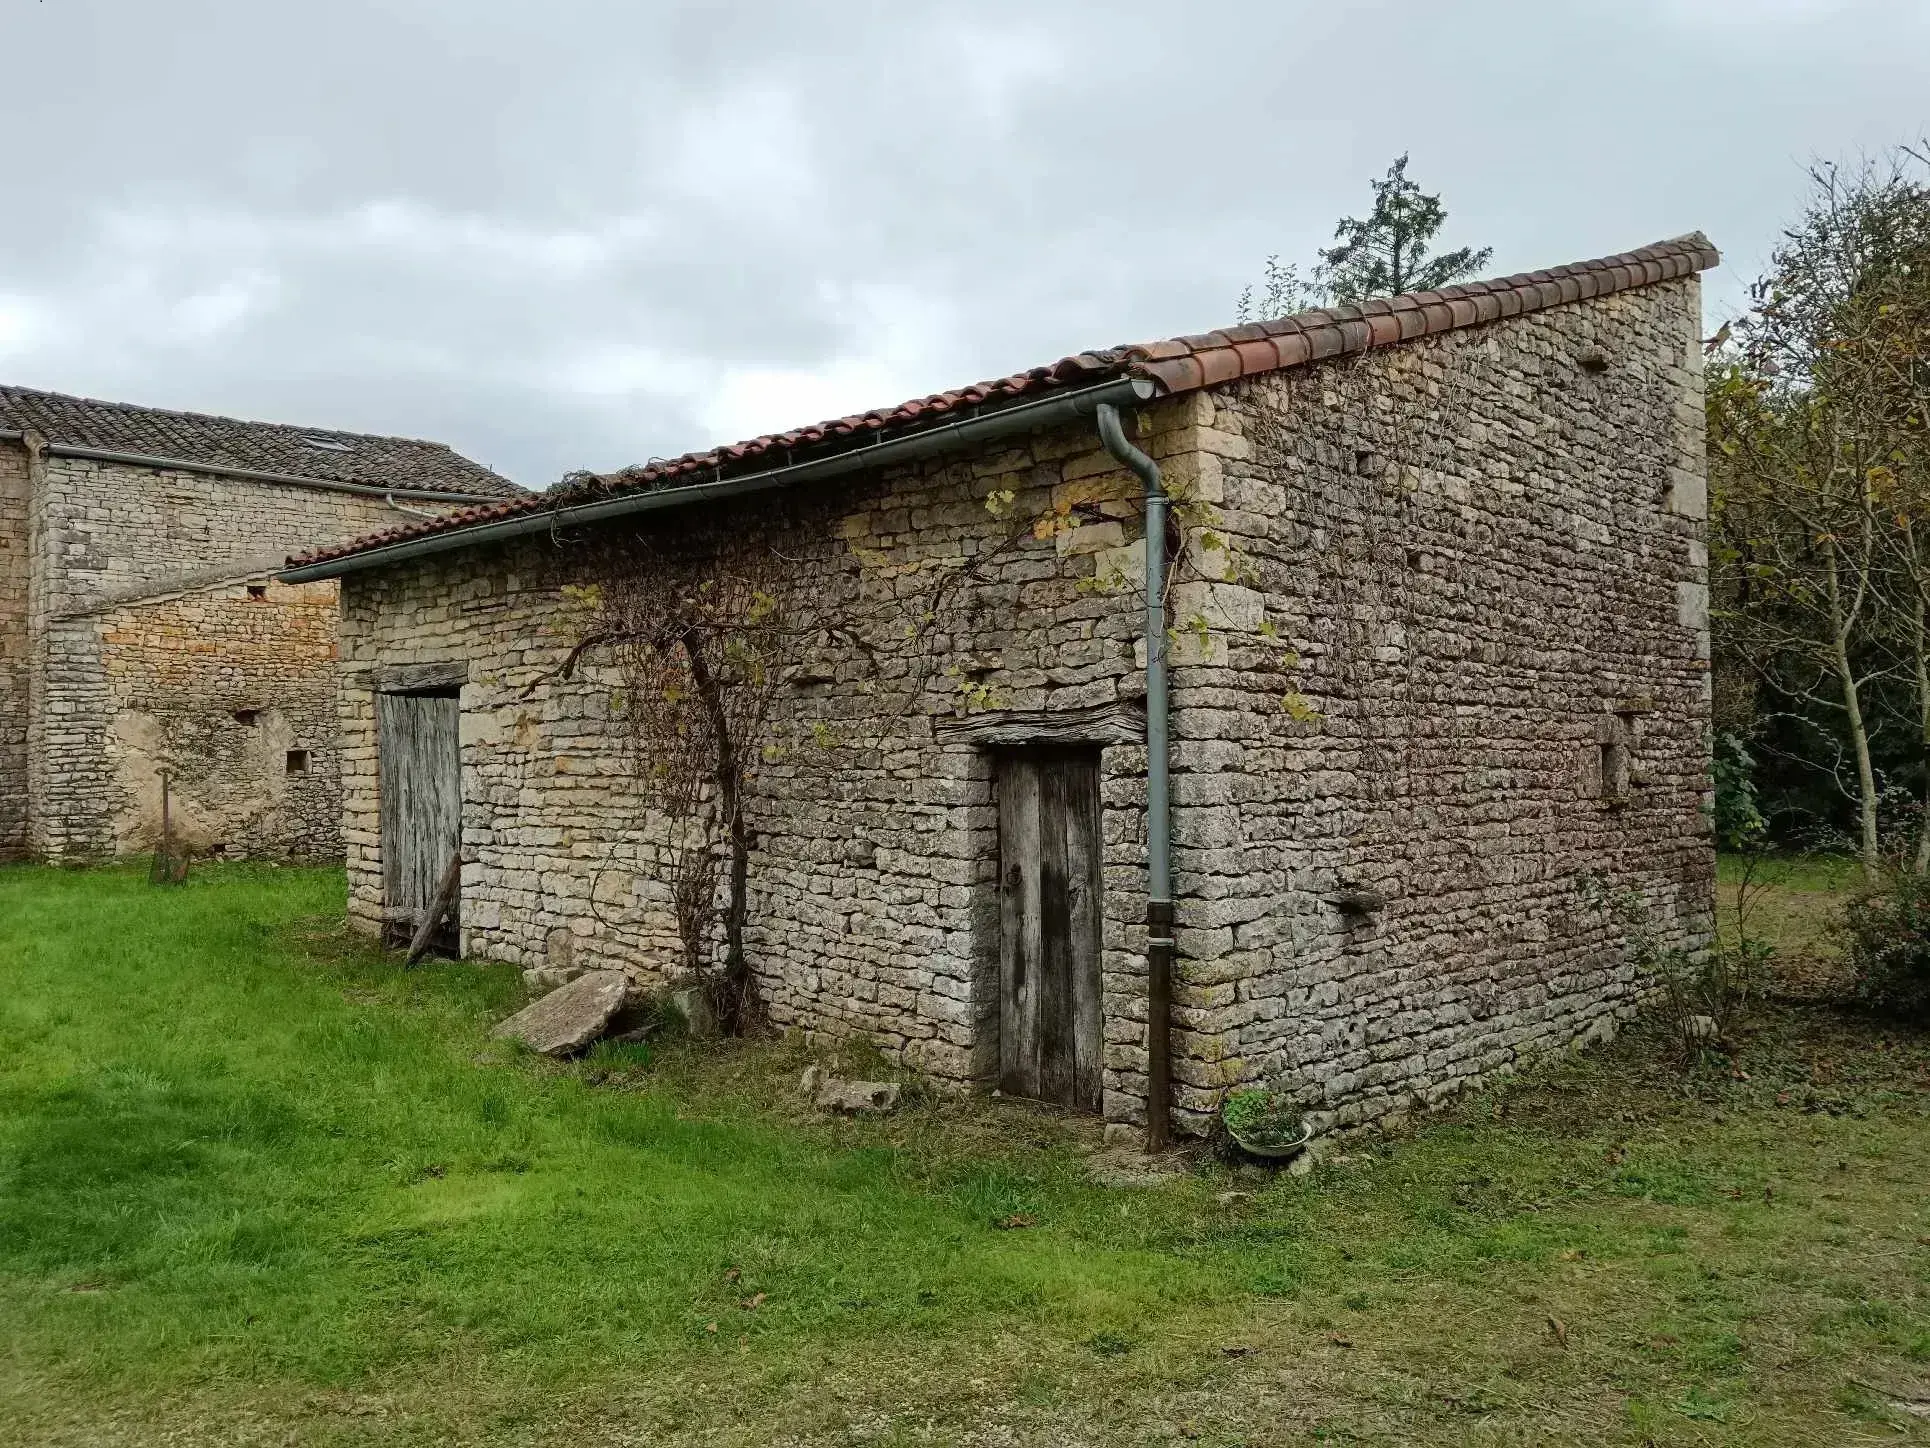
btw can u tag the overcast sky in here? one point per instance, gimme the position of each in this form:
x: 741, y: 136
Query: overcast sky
x: 561, y: 234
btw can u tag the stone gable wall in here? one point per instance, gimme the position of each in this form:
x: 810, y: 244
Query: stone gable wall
x: 1463, y: 567
x: 121, y: 556
x: 1440, y: 578
x: 234, y: 692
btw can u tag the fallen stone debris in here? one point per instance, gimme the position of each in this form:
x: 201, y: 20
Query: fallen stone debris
x: 569, y: 1017
x: 851, y: 1098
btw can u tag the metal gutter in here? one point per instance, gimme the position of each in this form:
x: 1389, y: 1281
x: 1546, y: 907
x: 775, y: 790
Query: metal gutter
x: 253, y: 475
x: 1159, y: 816
x: 1004, y: 422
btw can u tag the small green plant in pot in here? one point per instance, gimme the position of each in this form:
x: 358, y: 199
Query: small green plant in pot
x: 1263, y: 1122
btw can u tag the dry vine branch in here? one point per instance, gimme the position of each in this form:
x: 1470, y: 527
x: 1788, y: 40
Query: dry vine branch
x: 705, y: 641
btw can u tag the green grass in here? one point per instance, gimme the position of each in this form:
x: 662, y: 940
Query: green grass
x: 258, y: 1185
x: 1792, y: 901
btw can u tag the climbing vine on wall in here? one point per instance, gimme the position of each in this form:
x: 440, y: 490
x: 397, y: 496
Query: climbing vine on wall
x: 711, y: 633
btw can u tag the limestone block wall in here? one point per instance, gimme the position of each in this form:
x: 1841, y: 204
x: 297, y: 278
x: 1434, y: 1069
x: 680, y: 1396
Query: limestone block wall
x: 875, y: 865
x: 15, y: 575
x: 107, y: 535
x: 1461, y: 577
x: 229, y: 687
x: 1442, y: 656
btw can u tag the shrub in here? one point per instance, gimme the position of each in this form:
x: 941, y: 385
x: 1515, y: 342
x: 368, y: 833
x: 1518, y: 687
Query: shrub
x: 1887, y: 931
x: 1738, y: 814
x: 1707, y: 993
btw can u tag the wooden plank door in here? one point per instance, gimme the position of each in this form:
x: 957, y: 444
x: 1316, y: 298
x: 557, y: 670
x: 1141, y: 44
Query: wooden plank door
x: 1049, y: 879
x: 418, y: 740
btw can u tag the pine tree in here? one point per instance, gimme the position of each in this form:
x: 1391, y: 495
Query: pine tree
x: 1387, y: 253
x: 1381, y: 256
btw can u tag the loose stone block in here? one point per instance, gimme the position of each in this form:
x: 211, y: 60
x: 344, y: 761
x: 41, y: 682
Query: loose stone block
x: 569, y: 1017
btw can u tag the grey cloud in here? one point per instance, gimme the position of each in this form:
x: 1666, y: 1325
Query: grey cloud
x: 582, y: 234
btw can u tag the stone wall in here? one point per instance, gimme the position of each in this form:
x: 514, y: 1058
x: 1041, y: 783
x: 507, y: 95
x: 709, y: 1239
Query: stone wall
x: 1441, y: 584
x: 875, y: 863
x: 120, y: 556
x: 1463, y: 573
x: 15, y: 575
x: 231, y: 688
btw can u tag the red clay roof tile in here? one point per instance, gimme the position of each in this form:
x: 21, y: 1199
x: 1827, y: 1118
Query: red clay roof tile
x: 1294, y: 349
x: 1179, y: 364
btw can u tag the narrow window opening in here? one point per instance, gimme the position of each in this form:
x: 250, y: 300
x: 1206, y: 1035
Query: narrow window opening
x: 1616, y: 737
x: 298, y: 761
x: 248, y: 716
x: 257, y: 590
x: 1615, y: 772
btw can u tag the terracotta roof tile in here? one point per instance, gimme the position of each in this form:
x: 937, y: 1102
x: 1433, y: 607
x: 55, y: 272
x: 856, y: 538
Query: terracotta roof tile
x: 1179, y: 364
x: 1294, y: 349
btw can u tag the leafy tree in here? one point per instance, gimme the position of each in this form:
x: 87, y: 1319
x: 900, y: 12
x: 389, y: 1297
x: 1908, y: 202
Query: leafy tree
x: 1381, y: 256
x: 1818, y: 401
x: 1387, y: 253
x: 1284, y: 292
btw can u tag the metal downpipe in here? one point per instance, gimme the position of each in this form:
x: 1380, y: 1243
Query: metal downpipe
x: 1159, y: 818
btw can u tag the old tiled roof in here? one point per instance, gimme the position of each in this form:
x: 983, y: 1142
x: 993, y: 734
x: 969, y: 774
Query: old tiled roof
x: 1181, y: 364
x: 196, y: 439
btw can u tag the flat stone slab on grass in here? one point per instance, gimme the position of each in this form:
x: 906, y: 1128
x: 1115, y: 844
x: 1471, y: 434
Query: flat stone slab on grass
x: 858, y: 1098
x: 569, y: 1017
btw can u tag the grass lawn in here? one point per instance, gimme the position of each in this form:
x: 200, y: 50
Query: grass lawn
x: 259, y: 1186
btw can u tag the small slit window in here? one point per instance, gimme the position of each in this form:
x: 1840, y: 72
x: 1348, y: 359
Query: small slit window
x: 1615, y: 764
x: 249, y: 717
x: 1618, y: 737
x: 298, y: 761
x: 258, y: 590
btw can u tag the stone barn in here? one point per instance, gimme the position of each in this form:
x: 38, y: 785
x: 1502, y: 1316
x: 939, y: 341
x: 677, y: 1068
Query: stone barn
x: 1427, y: 662
x: 142, y: 627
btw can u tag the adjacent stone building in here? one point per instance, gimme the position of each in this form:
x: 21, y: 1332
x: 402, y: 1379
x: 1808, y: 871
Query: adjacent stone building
x: 1439, y: 670
x: 142, y: 628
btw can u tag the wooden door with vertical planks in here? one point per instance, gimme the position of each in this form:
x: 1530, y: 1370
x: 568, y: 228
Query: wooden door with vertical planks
x: 1050, y: 1034
x: 418, y: 739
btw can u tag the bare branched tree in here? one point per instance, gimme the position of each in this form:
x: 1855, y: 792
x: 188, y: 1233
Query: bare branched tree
x: 702, y: 651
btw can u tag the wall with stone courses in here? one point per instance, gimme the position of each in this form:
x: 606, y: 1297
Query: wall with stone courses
x: 1468, y: 582
x: 874, y: 874
x: 220, y: 686
x: 104, y: 532
x: 1467, y: 552
x: 15, y: 574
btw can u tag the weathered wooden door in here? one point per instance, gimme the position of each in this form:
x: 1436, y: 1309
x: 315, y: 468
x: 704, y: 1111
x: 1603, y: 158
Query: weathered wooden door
x: 418, y: 739
x: 1049, y: 873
